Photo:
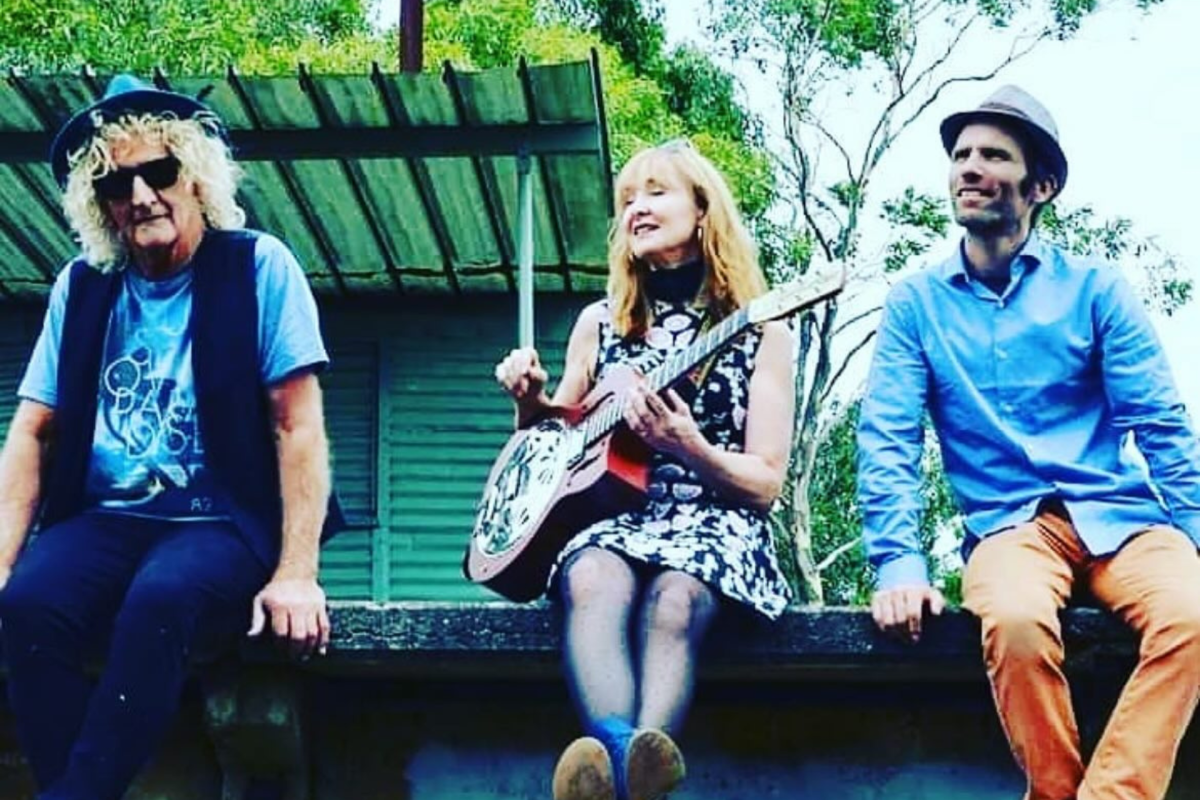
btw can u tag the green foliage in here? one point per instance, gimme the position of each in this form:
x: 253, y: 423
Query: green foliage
x: 846, y: 30
x: 846, y: 193
x: 1162, y: 281
x: 489, y: 33
x: 837, y: 519
x: 633, y: 27
x: 645, y: 95
x: 917, y: 222
x: 850, y: 29
x: 941, y: 529
x: 784, y: 251
x: 702, y: 94
x: 746, y: 167
x: 854, y: 34
x: 651, y: 96
x: 198, y: 37
x: 1065, y: 15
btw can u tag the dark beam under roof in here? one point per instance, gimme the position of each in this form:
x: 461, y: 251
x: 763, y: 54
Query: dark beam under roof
x: 426, y: 141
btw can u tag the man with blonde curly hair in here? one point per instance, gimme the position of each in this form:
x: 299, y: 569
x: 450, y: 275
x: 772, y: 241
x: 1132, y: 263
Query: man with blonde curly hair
x: 169, y: 445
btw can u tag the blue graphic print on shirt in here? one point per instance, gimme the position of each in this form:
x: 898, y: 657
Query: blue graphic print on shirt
x: 147, y: 455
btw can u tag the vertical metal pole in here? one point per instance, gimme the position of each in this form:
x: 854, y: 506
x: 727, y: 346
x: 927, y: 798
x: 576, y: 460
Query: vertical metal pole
x: 412, y: 35
x: 525, y: 247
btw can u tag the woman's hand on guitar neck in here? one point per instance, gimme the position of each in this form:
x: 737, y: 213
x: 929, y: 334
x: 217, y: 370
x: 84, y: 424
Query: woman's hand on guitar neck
x: 521, y: 375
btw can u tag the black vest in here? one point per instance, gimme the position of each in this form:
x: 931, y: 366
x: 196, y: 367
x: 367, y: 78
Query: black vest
x: 231, y: 405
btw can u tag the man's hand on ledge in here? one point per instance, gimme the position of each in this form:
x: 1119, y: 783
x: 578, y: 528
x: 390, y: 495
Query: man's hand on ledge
x: 900, y: 611
x: 296, y: 609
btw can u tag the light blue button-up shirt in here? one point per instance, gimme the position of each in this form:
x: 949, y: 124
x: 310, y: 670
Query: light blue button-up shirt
x: 1050, y: 389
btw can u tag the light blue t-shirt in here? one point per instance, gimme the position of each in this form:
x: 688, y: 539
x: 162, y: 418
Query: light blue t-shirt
x: 148, y: 452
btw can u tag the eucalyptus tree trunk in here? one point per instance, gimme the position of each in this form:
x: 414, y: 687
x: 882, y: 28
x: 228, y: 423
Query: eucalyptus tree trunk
x: 813, y: 373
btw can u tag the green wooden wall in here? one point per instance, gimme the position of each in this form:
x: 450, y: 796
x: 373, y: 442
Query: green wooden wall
x: 441, y: 420
x: 415, y: 419
x: 19, y: 328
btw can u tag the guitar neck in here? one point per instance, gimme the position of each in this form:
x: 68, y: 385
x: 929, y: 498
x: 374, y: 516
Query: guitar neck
x: 676, y: 366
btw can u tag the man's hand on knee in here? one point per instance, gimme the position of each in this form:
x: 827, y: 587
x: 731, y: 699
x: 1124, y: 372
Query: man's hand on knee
x: 297, y: 613
x: 900, y: 611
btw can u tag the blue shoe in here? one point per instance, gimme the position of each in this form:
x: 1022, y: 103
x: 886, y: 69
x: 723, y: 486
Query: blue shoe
x: 616, y: 734
x: 584, y: 772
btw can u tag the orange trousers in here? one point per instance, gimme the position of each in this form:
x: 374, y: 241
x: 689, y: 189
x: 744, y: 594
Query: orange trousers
x: 1016, y: 581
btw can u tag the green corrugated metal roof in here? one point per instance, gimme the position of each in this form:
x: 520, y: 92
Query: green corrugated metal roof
x: 380, y: 183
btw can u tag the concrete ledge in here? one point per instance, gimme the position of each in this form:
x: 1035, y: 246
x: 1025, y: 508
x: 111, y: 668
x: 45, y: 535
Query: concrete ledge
x: 500, y: 639
x: 452, y: 660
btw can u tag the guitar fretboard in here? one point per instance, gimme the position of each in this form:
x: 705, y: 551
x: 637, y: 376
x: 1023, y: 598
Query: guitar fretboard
x: 677, y: 364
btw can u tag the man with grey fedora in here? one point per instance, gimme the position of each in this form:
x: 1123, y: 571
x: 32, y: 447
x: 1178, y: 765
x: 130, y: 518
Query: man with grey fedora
x: 169, y: 445
x: 1068, y: 449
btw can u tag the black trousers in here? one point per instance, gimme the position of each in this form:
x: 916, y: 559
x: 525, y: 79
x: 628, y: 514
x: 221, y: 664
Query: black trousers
x: 152, y: 594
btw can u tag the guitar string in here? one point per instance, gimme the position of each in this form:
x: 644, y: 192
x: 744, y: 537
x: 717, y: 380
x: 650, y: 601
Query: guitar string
x: 823, y: 285
x: 676, y: 364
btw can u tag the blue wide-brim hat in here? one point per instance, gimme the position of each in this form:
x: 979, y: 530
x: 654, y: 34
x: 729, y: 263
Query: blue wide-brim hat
x: 125, y: 95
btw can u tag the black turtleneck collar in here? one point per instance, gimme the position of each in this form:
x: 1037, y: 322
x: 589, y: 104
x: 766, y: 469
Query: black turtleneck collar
x: 677, y: 284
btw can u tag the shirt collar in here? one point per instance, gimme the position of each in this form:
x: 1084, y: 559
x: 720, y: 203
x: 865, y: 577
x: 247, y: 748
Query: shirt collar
x: 954, y: 269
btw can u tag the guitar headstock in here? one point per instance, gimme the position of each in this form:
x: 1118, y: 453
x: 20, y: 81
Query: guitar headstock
x: 791, y: 297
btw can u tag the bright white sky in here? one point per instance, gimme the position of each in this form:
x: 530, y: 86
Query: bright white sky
x: 1123, y: 95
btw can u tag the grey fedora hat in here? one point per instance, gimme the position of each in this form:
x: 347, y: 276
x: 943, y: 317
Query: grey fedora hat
x: 1013, y: 104
x: 125, y: 95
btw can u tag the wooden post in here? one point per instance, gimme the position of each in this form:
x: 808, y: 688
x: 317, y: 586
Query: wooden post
x: 412, y: 35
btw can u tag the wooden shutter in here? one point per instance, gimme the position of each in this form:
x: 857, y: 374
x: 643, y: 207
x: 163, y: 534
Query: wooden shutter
x: 441, y: 421
x: 19, y: 328
x: 351, y: 394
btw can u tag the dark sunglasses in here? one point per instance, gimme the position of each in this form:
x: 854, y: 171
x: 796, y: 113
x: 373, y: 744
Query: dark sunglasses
x: 160, y: 173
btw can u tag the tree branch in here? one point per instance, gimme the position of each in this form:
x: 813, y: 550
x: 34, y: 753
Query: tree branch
x: 881, y: 136
x: 812, y: 120
x: 1014, y: 55
x: 805, y: 175
x: 856, y: 319
x: 838, y: 552
x: 821, y: 371
x: 846, y: 363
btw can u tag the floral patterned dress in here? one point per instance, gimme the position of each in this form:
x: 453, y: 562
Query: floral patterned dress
x: 686, y: 525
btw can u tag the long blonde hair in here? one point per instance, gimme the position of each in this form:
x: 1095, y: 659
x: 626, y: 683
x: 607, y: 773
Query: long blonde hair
x: 204, y: 159
x: 732, y: 273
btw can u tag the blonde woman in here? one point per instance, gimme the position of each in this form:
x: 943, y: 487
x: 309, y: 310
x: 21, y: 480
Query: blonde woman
x: 640, y: 590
